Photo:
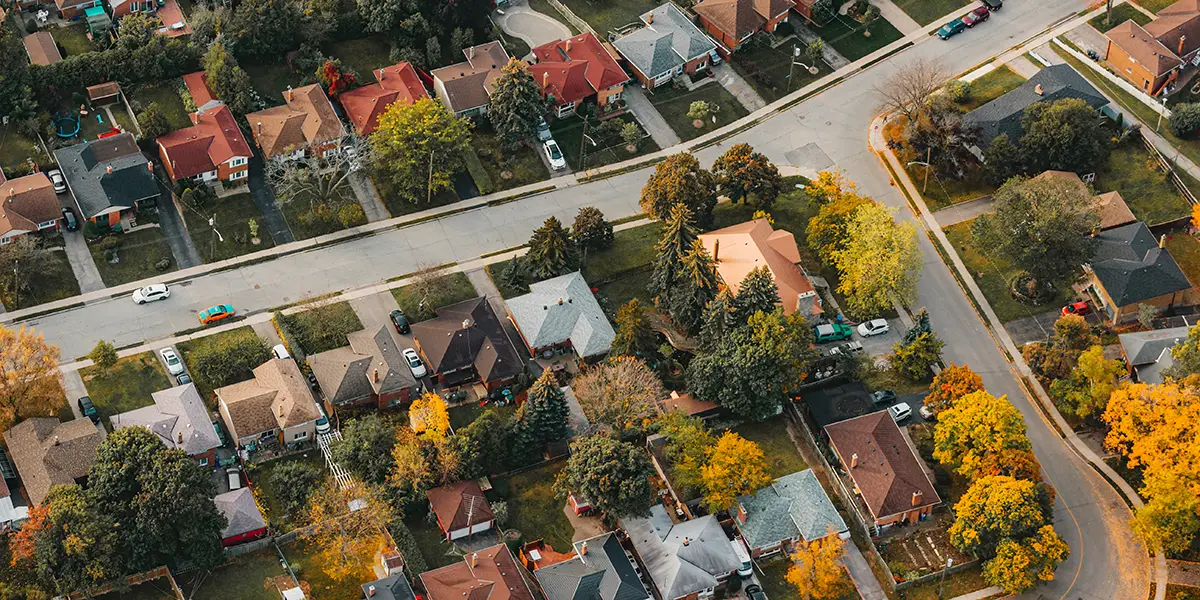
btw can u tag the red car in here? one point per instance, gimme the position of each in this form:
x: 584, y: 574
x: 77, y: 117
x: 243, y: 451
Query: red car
x: 1076, y: 308
x: 978, y: 15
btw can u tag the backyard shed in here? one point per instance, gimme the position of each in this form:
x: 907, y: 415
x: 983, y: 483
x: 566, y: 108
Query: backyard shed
x: 104, y: 93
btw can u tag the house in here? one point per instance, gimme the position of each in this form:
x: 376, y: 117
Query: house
x: 179, y: 419
x: 669, y: 45
x: 48, y: 452
x: 804, y: 8
x: 577, y: 70
x: 466, y: 86
x: 392, y: 587
x: 41, y: 48
x: 212, y: 149
x: 305, y: 124
x: 792, y: 509
x: 370, y: 371
x: 688, y: 405
x: 27, y: 204
x: 108, y: 178
x: 364, y: 105
x: 1129, y: 269
x: 885, y: 471
x: 682, y: 560
x: 12, y: 509
x: 466, y: 342
x: 461, y: 509
x: 244, y: 522
x: 1153, y: 57
x: 487, y: 574
x: 71, y: 9
x: 1053, y: 83
x: 1148, y: 353
x: 275, y: 404
x: 1110, y: 206
x: 122, y: 8
x: 739, y: 249
x: 561, y: 313
x: 599, y: 570
x: 732, y: 22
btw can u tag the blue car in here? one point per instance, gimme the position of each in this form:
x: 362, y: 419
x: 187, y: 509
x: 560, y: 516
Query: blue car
x: 952, y: 28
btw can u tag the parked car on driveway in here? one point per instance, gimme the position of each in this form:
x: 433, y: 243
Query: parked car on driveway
x: 976, y: 16
x: 543, y: 131
x: 557, y: 161
x: 993, y: 5
x: 323, y: 425
x: 849, y: 349
x: 69, y: 220
x: 900, y: 411
x: 1076, y: 308
x: 87, y: 409
x: 151, y: 293
x: 184, y: 379
x: 174, y: 365
x: 873, y: 327
x: 219, y: 312
x: 832, y: 332
x: 951, y: 29
x: 58, y: 181
x: 414, y: 363
x: 883, y: 397
x: 400, y: 320
x: 280, y: 351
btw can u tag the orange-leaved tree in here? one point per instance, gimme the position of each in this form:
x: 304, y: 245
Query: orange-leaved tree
x: 735, y: 466
x: 954, y: 382
x: 429, y: 417
x: 976, y: 429
x: 29, y: 387
x: 817, y: 571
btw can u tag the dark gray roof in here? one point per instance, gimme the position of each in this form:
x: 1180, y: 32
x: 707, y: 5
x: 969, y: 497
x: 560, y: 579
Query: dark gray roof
x: 1146, y: 347
x: 392, y: 587
x: 1132, y: 268
x: 370, y: 365
x: 1003, y: 115
x: 85, y: 167
x: 681, y: 558
x: 668, y: 40
x: 792, y: 506
x: 600, y: 571
x: 241, y: 512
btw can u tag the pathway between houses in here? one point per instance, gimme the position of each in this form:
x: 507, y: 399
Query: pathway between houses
x: 649, y: 117
x: 963, y: 211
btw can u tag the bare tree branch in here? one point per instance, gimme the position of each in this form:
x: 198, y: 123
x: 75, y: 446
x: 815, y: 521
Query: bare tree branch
x: 907, y: 90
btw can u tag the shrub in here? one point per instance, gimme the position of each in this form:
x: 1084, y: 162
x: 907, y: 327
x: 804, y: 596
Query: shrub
x: 294, y: 482
x: 959, y: 90
x: 221, y: 360
x: 1185, y: 120
x: 351, y: 215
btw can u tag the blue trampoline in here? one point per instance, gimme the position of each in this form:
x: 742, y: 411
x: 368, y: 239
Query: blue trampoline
x: 66, y: 126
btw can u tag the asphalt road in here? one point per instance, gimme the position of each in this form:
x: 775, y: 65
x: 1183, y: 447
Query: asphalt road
x: 826, y: 131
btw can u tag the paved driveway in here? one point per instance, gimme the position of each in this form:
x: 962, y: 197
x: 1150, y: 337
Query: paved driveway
x: 533, y: 27
x: 264, y: 199
x: 171, y: 224
x: 375, y: 311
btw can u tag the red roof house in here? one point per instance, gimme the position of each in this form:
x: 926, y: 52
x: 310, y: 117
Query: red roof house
x: 576, y: 70
x: 212, y: 148
x: 365, y: 104
x: 197, y: 86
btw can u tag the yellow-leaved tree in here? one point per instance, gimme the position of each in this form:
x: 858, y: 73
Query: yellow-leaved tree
x: 879, y: 262
x: 977, y: 428
x: 1020, y: 565
x: 411, y: 470
x: 429, y: 417
x: 29, y: 387
x: 347, y: 528
x: 735, y: 466
x: 997, y: 508
x: 418, y: 146
x: 817, y: 571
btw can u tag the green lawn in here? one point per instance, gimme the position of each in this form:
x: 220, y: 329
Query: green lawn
x: 363, y: 55
x: 771, y: 435
x: 446, y: 290
x: 603, y: 15
x: 138, y: 253
x: 271, y: 80
x: 53, y: 281
x: 533, y: 508
x: 1185, y: 249
x: 155, y: 589
x: 73, y: 39
x: 1120, y: 14
x: 16, y: 149
x: 233, y: 214
x: 622, y: 289
x: 304, y: 224
x: 260, y: 478
x: 522, y: 166
x: 322, y: 328
x: 845, y: 35
x: 243, y: 578
x: 767, y: 69
x: 305, y: 558
x: 569, y: 134
x: 1155, y: 5
x: 127, y: 386
x: 632, y: 249
x: 398, y: 205
x: 673, y: 104
x: 1132, y: 172
x: 942, y: 192
x: 432, y: 542
x: 928, y: 11
x: 166, y: 95
x: 992, y: 274
x: 995, y: 83
x: 203, y: 385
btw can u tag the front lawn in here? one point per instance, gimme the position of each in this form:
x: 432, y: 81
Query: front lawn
x: 363, y: 55
x: 942, y: 192
x: 1185, y: 249
x: 622, y: 289
x: 203, y: 345
x: 268, y: 496
x: 928, y: 11
x: 243, y: 577
x: 305, y: 224
x: 166, y: 95
x: 16, y: 149
x: 992, y: 274
x: 772, y: 436
x: 73, y: 39
x: 845, y: 35
x: 1155, y: 5
x: 307, y: 563
x: 136, y: 257
x: 674, y: 104
x: 127, y: 386
x: 1120, y: 14
x: 322, y: 328
x: 232, y: 217
x: 522, y: 166
x: 606, y: 15
x: 445, y: 290
x: 1132, y: 172
x: 399, y: 205
x: 569, y: 135
x: 534, y: 509
x: 271, y: 80
x: 767, y: 69
x: 632, y: 249
x: 995, y: 83
x: 54, y: 280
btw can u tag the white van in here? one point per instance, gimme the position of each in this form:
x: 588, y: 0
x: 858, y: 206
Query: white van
x: 739, y: 549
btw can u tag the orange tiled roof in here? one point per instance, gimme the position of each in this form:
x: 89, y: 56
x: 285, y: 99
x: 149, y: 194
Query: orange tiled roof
x: 747, y: 246
x: 573, y: 69
x: 365, y: 104
x: 214, y: 138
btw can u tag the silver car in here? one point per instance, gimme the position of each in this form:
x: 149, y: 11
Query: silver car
x: 414, y: 363
x: 151, y: 293
x: 174, y: 365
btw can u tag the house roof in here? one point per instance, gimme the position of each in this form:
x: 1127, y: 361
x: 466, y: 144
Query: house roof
x: 740, y: 18
x: 1177, y: 27
x: 241, y: 512
x: 488, y: 574
x: 27, y: 201
x: 574, y: 69
x: 392, y: 587
x: 1110, y: 206
x: 364, y: 105
x: 682, y: 558
x: 1003, y: 115
x: 468, y: 84
x: 214, y: 138
x: 468, y: 334
x: 887, y: 472
x: 1132, y: 268
x: 306, y: 119
x: 687, y: 404
x: 278, y: 397
x: 48, y: 452
x: 42, y: 49
x: 178, y: 418
x: 561, y: 309
x: 600, y: 570
x: 1145, y: 347
x: 459, y: 504
x: 792, y: 506
x: 370, y: 365
x: 197, y: 86
x: 668, y: 40
x: 739, y: 249
x: 85, y: 167
x: 1143, y: 47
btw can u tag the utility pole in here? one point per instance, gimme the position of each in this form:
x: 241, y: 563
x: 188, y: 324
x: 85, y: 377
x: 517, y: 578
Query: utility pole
x: 928, y: 166
x: 942, y: 581
x: 582, y: 147
x: 792, y: 63
x: 429, y: 184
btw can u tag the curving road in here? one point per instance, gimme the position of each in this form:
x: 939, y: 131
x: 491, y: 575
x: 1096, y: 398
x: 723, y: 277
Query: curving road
x: 826, y: 131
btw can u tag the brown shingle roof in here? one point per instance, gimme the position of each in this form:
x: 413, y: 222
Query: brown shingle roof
x: 468, y: 334
x: 308, y: 118
x: 467, y: 84
x: 1143, y: 47
x: 489, y: 574
x: 27, y: 201
x: 104, y: 90
x: 886, y: 471
x: 278, y: 397
x: 453, y: 505
x: 48, y: 452
x: 1177, y: 27
x: 371, y: 365
x: 41, y: 48
x: 747, y: 246
x: 740, y: 18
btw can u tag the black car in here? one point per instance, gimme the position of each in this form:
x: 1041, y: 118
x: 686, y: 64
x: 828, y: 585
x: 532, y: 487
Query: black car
x: 400, y: 321
x: 884, y: 397
x: 69, y: 219
x: 184, y: 379
x: 87, y: 409
x: 312, y: 381
x: 754, y: 592
x: 993, y: 5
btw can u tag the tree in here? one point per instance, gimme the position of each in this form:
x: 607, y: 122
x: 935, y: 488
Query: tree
x: 22, y: 260
x: 997, y: 508
x: 1064, y: 136
x: 827, y: 231
x: 880, y: 262
x: 344, y: 539
x: 976, y: 428
x: 630, y: 134
x: 757, y: 293
x: 694, y: 289
x: 915, y: 360
x: 700, y: 110
x: 1170, y: 519
x: 294, y: 481
x: 1186, y: 355
x: 954, y: 382
x: 417, y: 147
x: 908, y: 89
x: 227, y: 80
x: 264, y: 27
x: 428, y: 416
x: 743, y: 174
x: 224, y: 360
x: 366, y: 447
x: 1086, y: 391
x: 621, y: 392
x: 551, y: 252
x: 940, y: 134
x: 679, y: 180
x: 817, y: 570
x: 1146, y: 314
x: 153, y: 122
x: 515, y: 105
x: 104, y: 356
x: 543, y: 417
x: 30, y: 384
x: 381, y: 16
x: 322, y: 181
x: 590, y: 231
x: 614, y: 475
x: 1019, y: 566
x: 734, y: 467
x: 719, y: 320
x: 69, y: 544
x: 678, y: 235
x: 335, y: 78
x: 433, y: 51
x: 1002, y: 160
x: 137, y: 30
x: 1184, y: 120
x: 634, y: 336
x: 1018, y: 464
x: 14, y: 70
x: 688, y: 444
x: 485, y: 444
x: 814, y: 51
x: 1042, y: 226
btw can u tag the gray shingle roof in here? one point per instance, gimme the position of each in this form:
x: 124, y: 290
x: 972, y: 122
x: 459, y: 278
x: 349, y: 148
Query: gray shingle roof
x: 240, y: 512
x: 347, y: 374
x: 1003, y: 115
x: 604, y: 572
x: 1145, y: 347
x: 1132, y: 268
x: 561, y: 309
x: 792, y: 506
x: 85, y: 167
x: 668, y: 40
x: 392, y: 587
x: 178, y: 418
x: 682, y: 558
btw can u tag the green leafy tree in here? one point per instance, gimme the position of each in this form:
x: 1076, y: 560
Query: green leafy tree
x: 1186, y: 355
x: 634, y: 336
x: 1085, y: 393
x: 551, y: 252
x: 915, y: 359
x: 1185, y: 119
x: 827, y: 231
x: 486, y: 444
x: 630, y: 133
x: 418, y: 145
x: 264, y: 28
x: 756, y: 293
x: 590, y: 230
x: 678, y: 235
x: 153, y: 122
x: 14, y: 70
x: 1064, y: 136
x: 382, y: 16
x: 294, y: 481
x: 700, y: 110
x: 433, y: 51
x: 104, y: 356
x: 743, y: 174
x: 1002, y: 160
x: 366, y: 447
x: 69, y: 544
x: 614, y: 475
x: 688, y: 444
x: 880, y: 261
x: 679, y: 180
x: 995, y: 509
x: 225, y: 360
x: 515, y: 105
x: 696, y: 287
x: 227, y: 80
x: 137, y: 29
x: 543, y: 417
x: 515, y: 275
x: 719, y: 320
x: 976, y: 429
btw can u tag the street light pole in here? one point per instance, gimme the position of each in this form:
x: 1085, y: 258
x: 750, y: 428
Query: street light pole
x: 942, y: 581
x: 792, y: 66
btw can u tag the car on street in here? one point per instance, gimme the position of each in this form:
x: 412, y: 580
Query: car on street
x: 557, y: 161
x: 322, y: 422
x: 976, y: 16
x: 151, y: 293
x: 174, y: 365
x: 280, y: 351
x: 873, y: 327
x: 184, y: 379
x: 900, y: 411
x: 58, y: 181
x: 216, y: 313
x: 927, y: 412
x: 543, y: 131
x: 400, y: 320
x: 414, y: 363
x: 832, y: 332
x: 883, y: 397
x: 69, y: 220
x: 993, y: 5
x: 951, y: 29
x: 1076, y: 308
x: 87, y: 409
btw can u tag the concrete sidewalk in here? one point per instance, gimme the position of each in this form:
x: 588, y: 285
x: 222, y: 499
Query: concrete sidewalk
x: 896, y: 16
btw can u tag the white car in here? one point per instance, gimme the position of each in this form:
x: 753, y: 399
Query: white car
x: 352, y: 154
x: 873, y: 327
x: 557, y: 161
x: 280, y: 351
x: 323, y: 425
x: 57, y: 180
x: 151, y: 293
x: 414, y: 363
x: 900, y: 411
x: 927, y: 412
x: 174, y: 365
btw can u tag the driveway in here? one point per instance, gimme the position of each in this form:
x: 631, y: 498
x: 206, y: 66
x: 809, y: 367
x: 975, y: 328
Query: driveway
x: 375, y: 311
x: 1087, y: 38
x: 740, y: 88
x: 963, y: 211
x: 74, y: 389
x: 264, y: 198
x: 82, y: 263
x: 368, y: 198
x: 170, y: 222
x: 533, y: 27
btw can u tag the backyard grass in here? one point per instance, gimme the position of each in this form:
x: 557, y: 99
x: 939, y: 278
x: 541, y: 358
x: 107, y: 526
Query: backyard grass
x: 522, y: 165
x: 16, y: 149
x: 1155, y: 5
x: 432, y: 542
x: 632, y: 249
x: 673, y: 104
x: 993, y: 274
x: 232, y: 216
x: 127, y: 386
x: 306, y: 560
x: 845, y: 35
x: 54, y: 280
x: 603, y: 15
x: 465, y: 414
x: 166, y: 95
x: 363, y: 55
x: 569, y: 135
x: 622, y: 289
x: 444, y: 291
x: 155, y: 589
x: 767, y: 69
x: 203, y: 385
x: 268, y: 494
x: 322, y: 328
x: 138, y: 253
x: 771, y: 435
x: 1120, y: 14
x: 1132, y: 172
x: 928, y: 11
x: 243, y: 578
x: 1185, y: 249
x: 534, y: 509
x: 956, y: 584
x: 995, y: 83
x: 73, y: 39
x: 271, y: 80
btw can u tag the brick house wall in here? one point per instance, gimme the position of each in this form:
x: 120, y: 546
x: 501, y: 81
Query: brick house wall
x: 1135, y: 72
x: 603, y: 97
x: 225, y: 172
x: 208, y: 458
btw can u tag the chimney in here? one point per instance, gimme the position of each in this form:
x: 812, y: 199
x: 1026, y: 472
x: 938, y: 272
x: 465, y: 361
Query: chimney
x: 280, y: 410
x: 56, y: 440
x: 150, y: 166
x: 650, y: 18
x: 474, y: 559
x: 370, y: 591
x: 1180, y: 50
x: 1037, y: 89
x: 1162, y: 241
x: 686, y: 541
x: 717, y: 250
x: 568, y: 44
x: 179, y: 437
x: 916, y: 498
x: 108, y: 169
x: 471, y: 53
x: 375, y: 374
x: 288, y: 93
x: 546, y: 79
x: 560, y: 301
x: 259, y: 125
x: 853, y: 460
x: 466, y: 324
x: 741, y: 514
x: 583, y: 548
